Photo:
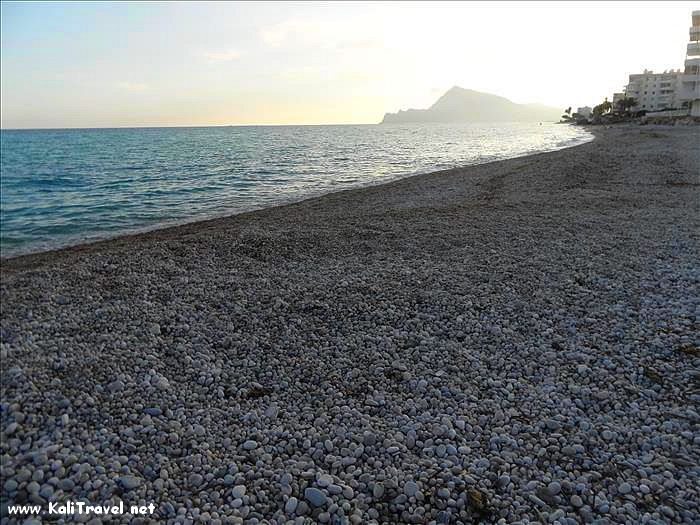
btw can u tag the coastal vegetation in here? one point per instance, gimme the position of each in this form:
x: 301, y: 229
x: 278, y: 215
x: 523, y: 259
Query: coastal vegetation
x: 624, y: 105
x: 602, y: 108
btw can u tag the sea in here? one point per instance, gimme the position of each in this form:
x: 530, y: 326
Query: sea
x: 62, y: 187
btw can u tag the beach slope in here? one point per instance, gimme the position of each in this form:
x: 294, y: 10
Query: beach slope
x: 512, y: 340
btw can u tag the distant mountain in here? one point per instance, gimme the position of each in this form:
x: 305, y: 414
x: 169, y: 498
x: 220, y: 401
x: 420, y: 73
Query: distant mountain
x: 466, y: 105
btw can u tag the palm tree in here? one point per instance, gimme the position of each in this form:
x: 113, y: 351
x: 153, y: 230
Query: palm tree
x: 606, y: 106
x: 566, y: 117
x: 626, y: 103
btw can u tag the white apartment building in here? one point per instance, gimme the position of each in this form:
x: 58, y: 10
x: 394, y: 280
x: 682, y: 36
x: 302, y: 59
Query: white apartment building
x: 655, y: 91
x: 689, y: 92
x: 673, y: 89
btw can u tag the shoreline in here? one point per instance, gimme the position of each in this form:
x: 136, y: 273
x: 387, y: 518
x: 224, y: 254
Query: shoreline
x: 140, y: 234
x: 512, y: 341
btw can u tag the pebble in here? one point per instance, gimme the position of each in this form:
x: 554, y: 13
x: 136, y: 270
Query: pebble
x: 116, y: 386
x: 291, y: 505
x: 250, y: 445
x: 315, y: 497
x: 195, y: 480
x: 410, y: 489
x: 67, y: 484
x: 378, y: 490
x: 324, y: 480
x: 130, y: 482
x: 553, y: 424
x: 46, y: 492
x: 667, y: 511
x: 10, y: 485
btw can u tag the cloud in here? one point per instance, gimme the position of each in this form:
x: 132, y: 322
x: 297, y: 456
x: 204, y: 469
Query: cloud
x: 367, y: 43
x: 331, y: 34
x: 133, y: 87
x: 222, y: 56
x: 314, y: 32
x: 275, y: 34
x: 302, y: 72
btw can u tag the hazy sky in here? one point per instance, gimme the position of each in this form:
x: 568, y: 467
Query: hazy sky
x: 177, y: 63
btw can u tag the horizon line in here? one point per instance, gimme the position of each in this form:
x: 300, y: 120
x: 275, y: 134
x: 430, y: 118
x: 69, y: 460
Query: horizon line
x: 185, y: 126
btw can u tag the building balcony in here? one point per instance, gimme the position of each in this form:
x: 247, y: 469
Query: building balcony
x: 690, y: 78
x: 693, y: 49
x: 695, y: 33
x: 692, y: 66
x: 689, y: 93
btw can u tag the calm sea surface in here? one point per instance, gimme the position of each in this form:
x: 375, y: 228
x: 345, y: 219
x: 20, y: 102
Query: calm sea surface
x: 62, y: 187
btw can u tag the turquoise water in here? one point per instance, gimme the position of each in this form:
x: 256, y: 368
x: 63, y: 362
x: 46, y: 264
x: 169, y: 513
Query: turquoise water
x: 62, y: 187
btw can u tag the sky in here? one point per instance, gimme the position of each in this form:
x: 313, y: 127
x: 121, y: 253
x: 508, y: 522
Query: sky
x: 123, y: 64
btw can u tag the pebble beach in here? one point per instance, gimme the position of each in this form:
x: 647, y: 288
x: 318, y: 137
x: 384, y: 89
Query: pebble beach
x: 512, y: 342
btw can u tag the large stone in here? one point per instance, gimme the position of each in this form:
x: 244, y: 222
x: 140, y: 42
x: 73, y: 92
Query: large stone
x: 130, y: 482
x: 315, y: 497
x: 410, y: 488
